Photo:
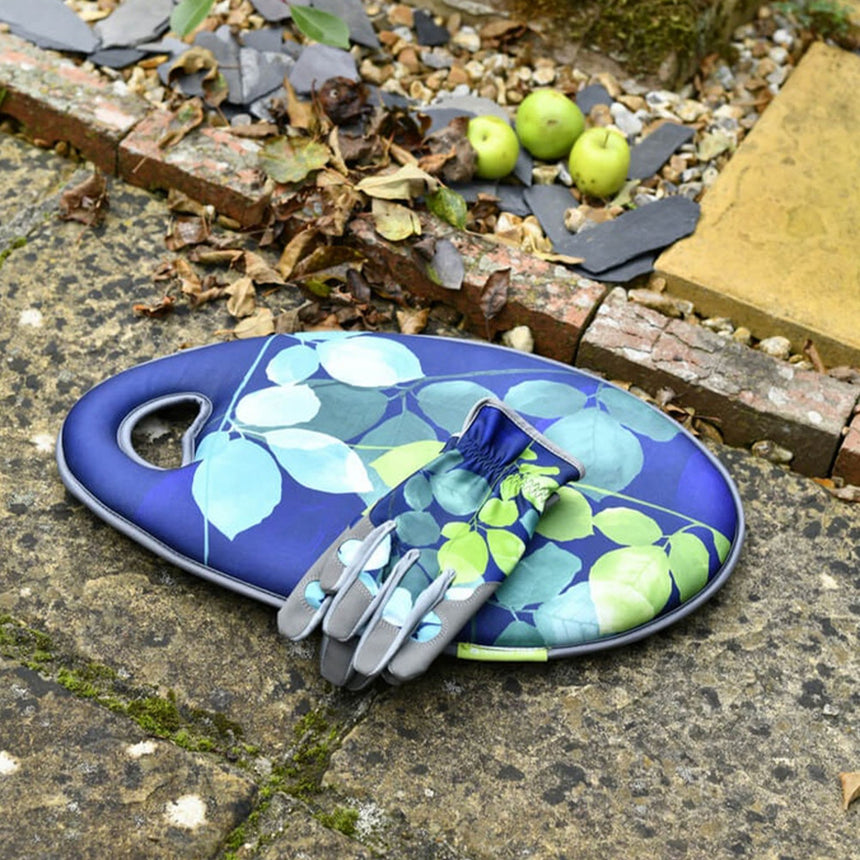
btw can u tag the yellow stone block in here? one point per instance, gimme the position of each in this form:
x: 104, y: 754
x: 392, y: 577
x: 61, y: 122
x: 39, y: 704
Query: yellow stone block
x: 778, y: 245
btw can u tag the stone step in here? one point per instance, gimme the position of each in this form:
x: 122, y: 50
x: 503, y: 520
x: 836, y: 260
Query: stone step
x: 777, y: 245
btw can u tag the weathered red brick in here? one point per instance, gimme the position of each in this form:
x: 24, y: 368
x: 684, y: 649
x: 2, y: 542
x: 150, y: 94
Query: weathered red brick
x: 752, y: 395
x: 55, y: 99
x: 209, y: 165
x: 553, y: 302
x: 847, y: 465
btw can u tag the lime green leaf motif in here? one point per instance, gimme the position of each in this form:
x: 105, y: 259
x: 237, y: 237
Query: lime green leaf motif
x: 506, y: 548
x: 321, y: 26
x: 292, y: 159
x: 455, y: 529
x: 188, y: 15
x: 497, y: 512
x: 628, y: 527
x: 467, y: 554
x: 568, y: 519
x: 689, y: 562
x: 396, y: 465
x: 723, y: 545
x: 629, y: 586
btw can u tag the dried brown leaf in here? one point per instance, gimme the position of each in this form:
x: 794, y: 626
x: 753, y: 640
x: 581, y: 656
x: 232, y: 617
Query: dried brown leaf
x: 259, y: 271
x: 194, y: 60
x: 358, y: 285
x: 393, y: 221
x: 178, y: 201
x: 296, y: 249
x: 185, y: 231
x: 811, y: 352
x: 243, y: 298
x: 301, y: 113
x: 182, y: 122
x: 215, y: 256
x: 260, y: 324
x: 342, y: 100
x: 452, y: 143
x: 327, y: 261
x: 494, y: 294
x: 850, y: 787
x: 501, y: 29
x: 87, y: 202
x: 255, y: 131
x: 339, y: 199
x: 402, y: 184
x: 412, y: 320
x: 157, y: 310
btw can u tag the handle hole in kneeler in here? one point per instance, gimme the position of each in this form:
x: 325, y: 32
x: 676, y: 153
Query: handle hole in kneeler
x: 162, y: 433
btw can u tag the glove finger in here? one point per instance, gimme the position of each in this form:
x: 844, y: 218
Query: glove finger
x: 358, y: 599
x: 303, y: 610
x: 393, y: 623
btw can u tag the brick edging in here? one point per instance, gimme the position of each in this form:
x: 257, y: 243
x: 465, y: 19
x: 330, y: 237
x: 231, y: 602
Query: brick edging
x: 752, y: 395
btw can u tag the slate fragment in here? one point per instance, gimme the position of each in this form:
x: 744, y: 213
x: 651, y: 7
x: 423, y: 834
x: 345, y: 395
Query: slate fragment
x: 262, y: 72
x: 512, y: 199
x: 116, y: 58
x: 645, y: 229
x: 549, y: 203
x: 352, y: 13
x: 593, y: 94
x: 49, y: 24
x: 653, y: 151
x: 427, y: 31
x: 273, y: 10
x: 225, y: 49
x: 447, y: 267
x: 318, y: 63
x: 134, y: 21
x: 640, y: 265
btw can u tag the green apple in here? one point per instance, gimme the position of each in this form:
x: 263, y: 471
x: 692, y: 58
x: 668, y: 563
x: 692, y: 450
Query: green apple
x: 548, y: 123
x: 496, y: 145
x: 599, y: 161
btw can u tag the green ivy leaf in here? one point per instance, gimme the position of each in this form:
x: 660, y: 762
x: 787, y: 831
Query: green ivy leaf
x: 455, y: 529
x: 568, y: 519
x: 628, y: 527
x: 510, y: 486
x: 396, y: 465
x: 496, y: 512
x: 188, y: 15
x: 689, y: 562
x: 466, y: 554
x: 506, y: 549
x: 321, y: 26
x: 722, y: 544
x: 291, y: 159
x: 449, y: 206
x: 629, y: 586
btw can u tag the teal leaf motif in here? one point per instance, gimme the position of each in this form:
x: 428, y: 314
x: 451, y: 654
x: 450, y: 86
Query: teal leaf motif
x: 629, y: 586
x: 448, y: 403
x: 418, y: 493
x: 544, y: 399
x: 637, y: 415
x: 689, y: 562
x: 569, y: 619
x: 539, y: 577
x: 612, y: 455
x: 417, y: 528
x: 293, y: 364
x: 519, y: 634
x: 237, y: 484
x: 318, y: 461
x: 277, y: 406
x: 627, y: 526
x: 346, y: 412
x: 368, y: 362
x: 459, y: 492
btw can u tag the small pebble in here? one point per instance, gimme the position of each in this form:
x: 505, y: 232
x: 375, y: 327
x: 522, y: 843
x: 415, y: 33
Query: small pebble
x: 520, y: 337
x: 628, y: 123
x: 770, y: 451
x: 742, y: 335
x: 777, y: 346
x: 574, y: 220
x: 468, y: 40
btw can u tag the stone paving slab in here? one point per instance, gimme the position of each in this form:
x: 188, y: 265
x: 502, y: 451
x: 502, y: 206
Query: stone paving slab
x: 776, y: 248
x: 753, y: 395
x: 79, y: 781
x: 56, y: 99
x: 721, y: 737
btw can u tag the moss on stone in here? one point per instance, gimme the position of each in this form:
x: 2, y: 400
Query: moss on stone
x: 343, y: 819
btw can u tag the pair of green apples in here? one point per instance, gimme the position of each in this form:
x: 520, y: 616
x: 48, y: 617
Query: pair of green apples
x: 550, y: 126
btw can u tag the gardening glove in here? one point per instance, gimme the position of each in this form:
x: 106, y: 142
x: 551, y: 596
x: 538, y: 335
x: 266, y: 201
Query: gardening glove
x: 396, y: 588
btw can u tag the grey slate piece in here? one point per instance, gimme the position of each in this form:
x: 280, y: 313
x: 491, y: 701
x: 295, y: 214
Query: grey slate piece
x: 226, y: 51
x: 641, y: 265
x: 352, y: 12
x: 593, y: 94
x: 116, y: 58
x: 272, y: 10
x: 648, y: 228
x: 262, y: 72
x: 653, y: 151
x: 427, y: 31
x: 134, y: 21
x: 447, y: 267
x: 318, y: 63
x: 49, y: 24
x: 549, y: 203
x: 264, y: 39
x: 469, y: 191
x: 512, y: 199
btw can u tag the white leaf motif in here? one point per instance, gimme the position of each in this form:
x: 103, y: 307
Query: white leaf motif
x: 369, y: 362
x: 278, y: 406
